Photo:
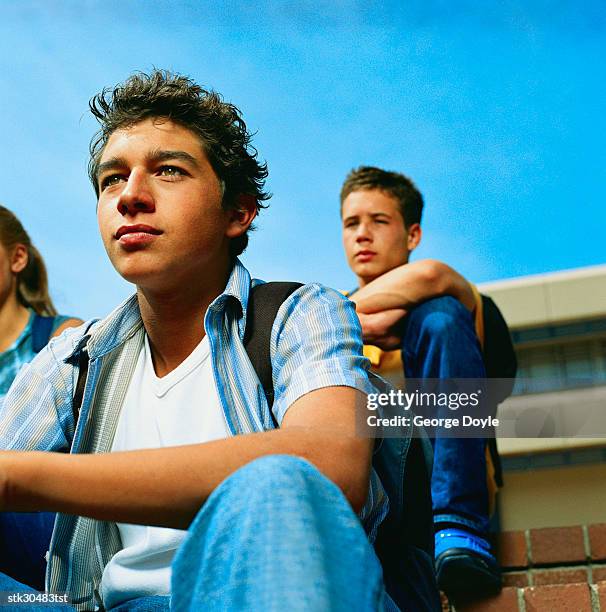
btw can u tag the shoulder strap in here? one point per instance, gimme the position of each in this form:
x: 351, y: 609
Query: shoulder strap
x: 79, y: 392
x: 41, y: 331
x: 264, y: 301
x: 501, y: 362
x: 499, y: 354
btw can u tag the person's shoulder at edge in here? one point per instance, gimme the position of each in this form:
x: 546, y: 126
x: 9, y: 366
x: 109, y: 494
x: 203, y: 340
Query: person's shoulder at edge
x: 62, y: 345
x: 63, y: 322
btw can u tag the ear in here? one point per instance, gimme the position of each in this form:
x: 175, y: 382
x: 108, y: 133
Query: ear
x: 414, y: 236
x: 241, y: 216
x: 19, y: 259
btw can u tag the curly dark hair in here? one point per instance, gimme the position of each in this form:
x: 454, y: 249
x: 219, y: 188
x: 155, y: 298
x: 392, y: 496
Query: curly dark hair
x: 218, y: 124
x: 394, y: 184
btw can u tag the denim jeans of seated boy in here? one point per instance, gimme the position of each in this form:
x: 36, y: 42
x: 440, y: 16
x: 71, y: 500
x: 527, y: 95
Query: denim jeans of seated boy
x: 275, y: 535
x: 440, y: 342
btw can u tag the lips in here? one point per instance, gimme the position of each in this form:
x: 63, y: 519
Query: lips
x: 136, y: 229
x: 365, y: 255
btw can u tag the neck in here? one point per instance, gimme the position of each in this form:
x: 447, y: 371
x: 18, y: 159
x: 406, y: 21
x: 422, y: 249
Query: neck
x: 174, y: 320
x: 365, y: 280
x: 13, y: 319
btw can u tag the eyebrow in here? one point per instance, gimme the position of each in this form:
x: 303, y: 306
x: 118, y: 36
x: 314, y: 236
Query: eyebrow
x: 111, y: 164
x: 164, y: 155
x: 158, y: 155
x: 373, y: 215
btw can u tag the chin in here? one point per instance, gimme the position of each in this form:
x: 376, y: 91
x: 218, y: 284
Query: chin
x: 139, y: 274
x: 367, y: 270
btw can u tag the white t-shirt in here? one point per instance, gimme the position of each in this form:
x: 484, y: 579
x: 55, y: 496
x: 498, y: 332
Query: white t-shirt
x: 180, y: 408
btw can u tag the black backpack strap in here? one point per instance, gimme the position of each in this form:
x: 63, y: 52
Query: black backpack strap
x: 264, y: 301
x: 499, y: 354
x: 42, y: 328
x: 79, y: 392
x: 500, y: 362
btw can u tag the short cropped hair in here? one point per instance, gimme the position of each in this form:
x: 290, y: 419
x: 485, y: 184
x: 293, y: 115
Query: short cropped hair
x: 218, y: 124
x: 394, y: 184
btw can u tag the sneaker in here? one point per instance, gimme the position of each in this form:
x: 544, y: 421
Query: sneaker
x: 465, y: 567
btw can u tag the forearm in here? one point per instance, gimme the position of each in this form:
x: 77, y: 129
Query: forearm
x: 408, y: 285
x: 167, y: 486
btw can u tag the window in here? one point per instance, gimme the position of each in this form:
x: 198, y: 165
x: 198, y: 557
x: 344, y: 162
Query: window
x: 558, y: 366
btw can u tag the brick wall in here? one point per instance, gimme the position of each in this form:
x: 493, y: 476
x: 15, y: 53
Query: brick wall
x: 555, y: 569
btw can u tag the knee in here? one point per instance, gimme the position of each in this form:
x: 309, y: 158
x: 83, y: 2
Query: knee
x: 273, y: 468
x: 284, y: 473
x: 441, y: 316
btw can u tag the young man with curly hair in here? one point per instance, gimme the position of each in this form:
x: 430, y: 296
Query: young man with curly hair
x: 175, y: 481
x: 423, y: 320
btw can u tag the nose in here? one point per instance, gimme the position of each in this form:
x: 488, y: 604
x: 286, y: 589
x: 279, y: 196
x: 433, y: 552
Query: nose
x: 363, y: 233
x: 136, y: 195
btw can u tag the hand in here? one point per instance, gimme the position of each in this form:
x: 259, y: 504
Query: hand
x: 383, y: 329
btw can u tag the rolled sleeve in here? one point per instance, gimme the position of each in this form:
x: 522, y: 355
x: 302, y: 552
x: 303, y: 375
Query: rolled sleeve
x: 316, y: 342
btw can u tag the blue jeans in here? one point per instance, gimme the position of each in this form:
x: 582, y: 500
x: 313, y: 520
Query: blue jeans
x: 142, y: 604
x: 440, y: 341
x: 274, y: 535
x: 24, y: 540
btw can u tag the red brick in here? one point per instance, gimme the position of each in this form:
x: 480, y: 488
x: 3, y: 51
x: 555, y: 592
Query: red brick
x: 601, y: 589
x: 511, y: 549
x: 599, y: 573
x: 557, y: 545
x: 597, y: 541
x: 515, y: 579
x: 505, y: 601
x: 559, y: 576
x: 558, y: 598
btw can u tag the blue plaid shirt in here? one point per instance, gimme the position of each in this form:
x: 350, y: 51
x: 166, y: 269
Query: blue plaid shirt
x: 315, y: 342
x: 20, y: 353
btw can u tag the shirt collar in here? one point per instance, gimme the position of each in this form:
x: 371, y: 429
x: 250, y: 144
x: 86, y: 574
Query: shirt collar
x: 125, y: 320
x: 236, y: 291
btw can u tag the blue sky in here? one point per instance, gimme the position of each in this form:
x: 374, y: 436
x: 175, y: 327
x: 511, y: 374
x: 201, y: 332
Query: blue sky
x: 496, y: 110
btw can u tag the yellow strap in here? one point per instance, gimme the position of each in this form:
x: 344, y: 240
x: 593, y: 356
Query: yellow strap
x: 478, y: 314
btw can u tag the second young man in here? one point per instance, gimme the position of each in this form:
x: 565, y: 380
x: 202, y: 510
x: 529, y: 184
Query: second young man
x: 422, y: 320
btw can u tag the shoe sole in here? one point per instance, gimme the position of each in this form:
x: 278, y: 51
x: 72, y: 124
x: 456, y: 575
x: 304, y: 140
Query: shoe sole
x: 464, y: 575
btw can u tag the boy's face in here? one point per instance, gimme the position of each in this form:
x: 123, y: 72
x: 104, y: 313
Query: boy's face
x: 374, y: 236
x: 159, y: 208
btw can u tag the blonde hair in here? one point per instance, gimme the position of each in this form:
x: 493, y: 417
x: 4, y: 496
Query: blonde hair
x: 32, y: 281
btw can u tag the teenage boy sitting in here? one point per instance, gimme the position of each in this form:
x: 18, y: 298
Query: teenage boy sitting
x: 422, y: 320
x: 174, y: 432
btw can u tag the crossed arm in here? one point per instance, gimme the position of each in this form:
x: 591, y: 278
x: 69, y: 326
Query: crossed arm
x: 382, y: 304
x: 167, y: 486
